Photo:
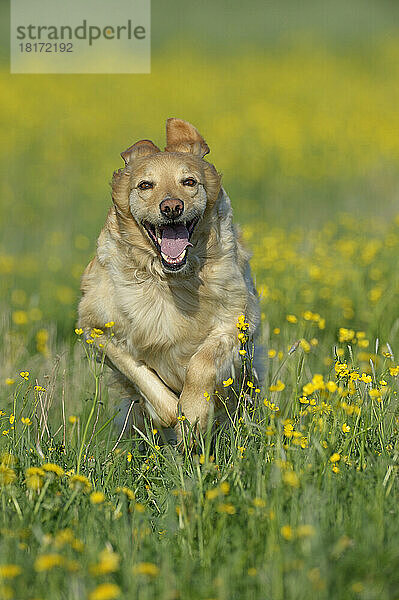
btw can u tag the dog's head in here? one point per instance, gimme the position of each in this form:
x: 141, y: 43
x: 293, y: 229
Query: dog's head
x: 167, y: 194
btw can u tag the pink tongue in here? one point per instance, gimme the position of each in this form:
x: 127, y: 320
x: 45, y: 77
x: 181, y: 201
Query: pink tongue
x: 174, y: 240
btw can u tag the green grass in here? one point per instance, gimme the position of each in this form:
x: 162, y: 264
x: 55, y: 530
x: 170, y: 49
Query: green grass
x: 299, y: 108
x: 257, y: 512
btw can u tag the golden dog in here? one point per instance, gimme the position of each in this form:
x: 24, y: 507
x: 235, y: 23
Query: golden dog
x: 172, y: 274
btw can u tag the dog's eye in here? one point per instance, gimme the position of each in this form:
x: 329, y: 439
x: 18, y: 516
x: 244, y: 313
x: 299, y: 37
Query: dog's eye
x: 190, y: 181
x: 145, y: 185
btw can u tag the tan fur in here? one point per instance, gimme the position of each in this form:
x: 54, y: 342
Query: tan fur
x: 175, y: 334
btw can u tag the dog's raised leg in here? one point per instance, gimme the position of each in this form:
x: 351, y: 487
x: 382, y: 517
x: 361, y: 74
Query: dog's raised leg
x: 209, y: 365
x: 162, y: 399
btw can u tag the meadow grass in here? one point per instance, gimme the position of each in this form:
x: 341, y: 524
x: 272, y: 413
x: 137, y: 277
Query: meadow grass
x: 296, y: 496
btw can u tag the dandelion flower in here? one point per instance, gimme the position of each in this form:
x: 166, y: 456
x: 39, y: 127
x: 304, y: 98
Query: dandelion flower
x: 335, y: 457
x: 97, y: 497
x: 287, y: 532
x: 146, y: 568
x: 108, y: 563
x: 227, y: 508
x: 34, y: 478
x: 46, y: 562
x: 105, y: 591
x: 9, y: 571
x: 291, y: 478
x: 80, y: 482
x: 53, y: 468
x: 279, y: 386
x: 126, y: 491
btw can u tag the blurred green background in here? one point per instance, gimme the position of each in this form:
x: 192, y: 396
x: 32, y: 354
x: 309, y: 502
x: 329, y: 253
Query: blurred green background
x: 297, y: 100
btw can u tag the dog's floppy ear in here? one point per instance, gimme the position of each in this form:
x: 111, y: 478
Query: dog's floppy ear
x: 181, y: 136
x: 141, y: 148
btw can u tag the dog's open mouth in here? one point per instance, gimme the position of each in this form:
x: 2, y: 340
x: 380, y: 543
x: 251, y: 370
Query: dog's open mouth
x: 171, y: 241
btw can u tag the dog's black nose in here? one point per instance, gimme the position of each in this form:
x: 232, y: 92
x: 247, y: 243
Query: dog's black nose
x: 171, y: 208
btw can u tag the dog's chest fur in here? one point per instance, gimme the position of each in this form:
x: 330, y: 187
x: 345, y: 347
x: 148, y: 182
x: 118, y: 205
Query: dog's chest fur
x: 165, y: 324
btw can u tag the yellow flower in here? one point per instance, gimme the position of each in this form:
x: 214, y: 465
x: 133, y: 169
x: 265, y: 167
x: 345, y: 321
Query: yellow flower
x: 241, y: 324
x: 52, y: 468
x: 105, y: 591
x: 292, y: 319
x: 271, y: 405
x: 96, y: 332
x: 335, y: 457
x: 46, y: 562
x: 291, y: 478
x: 109, y: 324
x: 287, y: 532
x: 73, y: 419
x: 9, y: 571
x: 242, y: 352
x: 345, y: 335
x: 345, y: 428
x: 276, y: 331
x: 146, y: 568
x: 79, y: 331
x: 224, y: 487
x: 34, y: 478
x: 335, y: 469
x: 226, y: 507
x: 20, y: 317
x: 259, y: 502
x: 272, y: 353
x: 89, y: 341
x: 126, y: 491
x: 80, y: 482
x: 374, y: 393
x: 9, y: 381
x: 305, y: 531
x: 288, y: 428
x: 308, y: 389
x: 24, y: 375
x: 365, y: 378
x: 318, y: 382
x: 12, y: 419
x: 108, y: 563
x: 212, y: 494
x: 363, y: 343
x: 277, y: 387
x: 331, y: 386
x: 26, y: 421
x: 228, y: 382
x: 394, y: 371
x: 97, y: 497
